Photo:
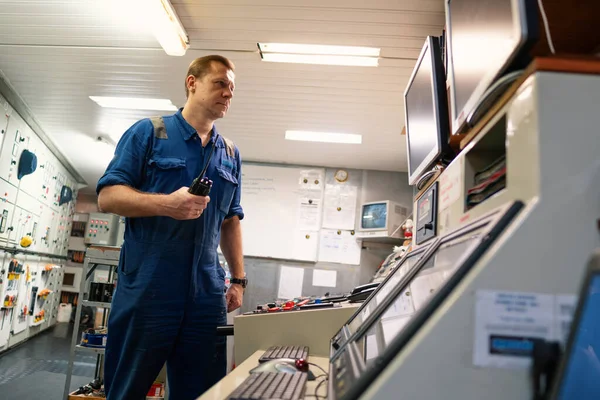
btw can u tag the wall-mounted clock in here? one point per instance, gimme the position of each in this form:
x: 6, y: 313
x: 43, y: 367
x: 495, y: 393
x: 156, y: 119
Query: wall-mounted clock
x: 341, y: 175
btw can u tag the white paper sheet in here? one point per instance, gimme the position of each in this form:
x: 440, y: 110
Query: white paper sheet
x: 305, y: 245
x: 324, y: 278
x: 451, y: 184
x: 504, y: 324
x: 311, y: 178
x: 340, y: 248
x: 340, y: 207
x: 290, y: 282
x: 309, y: 213
x: 564, y: 311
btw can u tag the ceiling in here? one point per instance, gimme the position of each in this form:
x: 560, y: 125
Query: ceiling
x: 56, y: 53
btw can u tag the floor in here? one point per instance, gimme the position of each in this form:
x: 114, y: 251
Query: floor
x: 37, y: 368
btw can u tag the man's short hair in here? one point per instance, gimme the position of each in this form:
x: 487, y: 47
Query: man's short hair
x: 203, y: 65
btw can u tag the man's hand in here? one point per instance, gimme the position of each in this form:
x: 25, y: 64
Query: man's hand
x: 183, y: 205
x: 234, y: 297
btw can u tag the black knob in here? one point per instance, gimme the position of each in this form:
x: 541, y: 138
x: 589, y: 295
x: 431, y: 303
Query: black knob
x: 429, y: 226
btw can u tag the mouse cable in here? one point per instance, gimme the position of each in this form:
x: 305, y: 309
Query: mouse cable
x: 317, y: 389
x: 315, y: 365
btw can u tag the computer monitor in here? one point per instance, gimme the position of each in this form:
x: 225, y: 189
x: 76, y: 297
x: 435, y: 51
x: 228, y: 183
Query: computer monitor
x: 401, y: 270
x: 381, y: 219
x: 579, y: 372
x: 485, y: 39
x: 426, y: 111
x: 386, y: 331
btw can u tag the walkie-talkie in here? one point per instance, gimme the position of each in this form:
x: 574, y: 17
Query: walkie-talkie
x: 201, y: 185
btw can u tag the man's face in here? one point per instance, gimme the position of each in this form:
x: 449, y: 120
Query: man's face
x: 214, y: 91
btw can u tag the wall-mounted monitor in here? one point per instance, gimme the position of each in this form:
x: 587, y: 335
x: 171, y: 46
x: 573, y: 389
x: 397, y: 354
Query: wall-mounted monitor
x: 486, y: 39
x: 426, y: 112
x: 381, y: 219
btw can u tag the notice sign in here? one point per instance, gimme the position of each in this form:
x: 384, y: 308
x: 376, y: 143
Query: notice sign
x: 507, y: 323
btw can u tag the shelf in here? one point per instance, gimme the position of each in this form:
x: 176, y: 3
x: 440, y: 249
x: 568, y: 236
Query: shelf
x: 69, y: 290
x: 96, y: 304
x: 95, y: 350
x: 384, y: 240
x: 38, y: 323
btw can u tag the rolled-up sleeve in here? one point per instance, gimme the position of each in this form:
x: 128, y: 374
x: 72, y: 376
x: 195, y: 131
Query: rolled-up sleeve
x: 236, y: 208
x: 127, y: 165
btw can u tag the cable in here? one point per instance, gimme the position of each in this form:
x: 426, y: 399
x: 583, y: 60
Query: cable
x: 315, y: 365
x: 317, y: 389
x: 546, y: 27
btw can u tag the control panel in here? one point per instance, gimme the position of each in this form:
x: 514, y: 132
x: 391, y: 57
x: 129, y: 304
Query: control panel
x: 426, y: 223
x: 102, y: 229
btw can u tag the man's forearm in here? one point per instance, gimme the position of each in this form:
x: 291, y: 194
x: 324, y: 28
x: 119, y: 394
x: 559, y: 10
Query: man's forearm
x: 231, y: 246
x: 127, y: 202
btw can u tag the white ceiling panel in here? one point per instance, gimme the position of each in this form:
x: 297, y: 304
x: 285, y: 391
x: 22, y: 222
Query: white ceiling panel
x: 57, y: 53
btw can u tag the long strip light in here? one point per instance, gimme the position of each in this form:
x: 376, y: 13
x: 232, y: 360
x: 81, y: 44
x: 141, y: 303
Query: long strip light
x: 319, y: 54
x: 134, y: 103
x: 167, y: 27
x: 326, y: 137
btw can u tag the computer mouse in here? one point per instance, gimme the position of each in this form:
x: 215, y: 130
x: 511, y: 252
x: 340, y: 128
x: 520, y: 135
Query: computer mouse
x: 287, y: 365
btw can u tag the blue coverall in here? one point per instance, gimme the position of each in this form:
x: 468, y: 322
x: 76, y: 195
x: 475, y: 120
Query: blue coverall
x: 170, y: 294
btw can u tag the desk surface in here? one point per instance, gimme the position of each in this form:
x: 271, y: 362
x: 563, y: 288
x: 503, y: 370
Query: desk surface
x: 235, y: 378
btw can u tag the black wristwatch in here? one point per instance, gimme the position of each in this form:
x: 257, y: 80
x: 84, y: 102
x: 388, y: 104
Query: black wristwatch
x: 243, y: 281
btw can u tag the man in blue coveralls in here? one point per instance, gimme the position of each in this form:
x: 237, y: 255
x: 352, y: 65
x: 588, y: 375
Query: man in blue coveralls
x: 170, y: 294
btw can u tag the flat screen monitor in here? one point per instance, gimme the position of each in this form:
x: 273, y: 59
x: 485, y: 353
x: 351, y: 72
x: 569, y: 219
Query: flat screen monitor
x: 426, y: 111
x: 579, y: 374
x: 434, y: 272
x: 399, y: 318
x: 400, y: 271
x: 486, y: 38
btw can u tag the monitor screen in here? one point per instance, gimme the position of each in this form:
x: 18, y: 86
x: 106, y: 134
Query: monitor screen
x: 436, y: 270
x: 484, y: 36
x: 399, y: 272
x: 581, y: 377
x: 421, y: 127
x: 374, y: 216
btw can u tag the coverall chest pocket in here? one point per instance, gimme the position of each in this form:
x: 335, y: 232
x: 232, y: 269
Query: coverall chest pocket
x: 166, y: 174
x: 226, y: 187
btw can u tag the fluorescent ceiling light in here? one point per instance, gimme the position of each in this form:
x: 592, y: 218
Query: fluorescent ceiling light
x: 326, y: 137
x: 321, y: 59
x: 319, y: 54
x: 292, y: 48
x: 166, y: 26
x: 132, y: 103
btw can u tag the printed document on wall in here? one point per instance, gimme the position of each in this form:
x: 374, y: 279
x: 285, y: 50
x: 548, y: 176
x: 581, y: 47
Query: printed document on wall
x: 340, y: 206
x: 309, y: 213
x: 339, y: 247
x: 324, y: 278
x: 290, y: 282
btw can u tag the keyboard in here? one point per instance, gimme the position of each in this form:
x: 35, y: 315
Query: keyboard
x: 271, y: 385
x: 275, y: 352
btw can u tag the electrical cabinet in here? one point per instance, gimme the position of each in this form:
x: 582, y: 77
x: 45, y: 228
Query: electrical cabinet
x: 102, y: 229
x: 13, y: 144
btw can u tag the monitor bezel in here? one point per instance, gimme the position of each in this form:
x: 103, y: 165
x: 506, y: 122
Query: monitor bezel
x: 440, y: 107
x: 413, y: 253
x: 593, y: 270
x: 525, y: 31
x: 497, y: 222
x: 387, y: 217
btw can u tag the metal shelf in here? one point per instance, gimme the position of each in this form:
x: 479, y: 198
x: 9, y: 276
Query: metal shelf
x: 84, y: 349
x: 94, y: 256
x: 96, y: 304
